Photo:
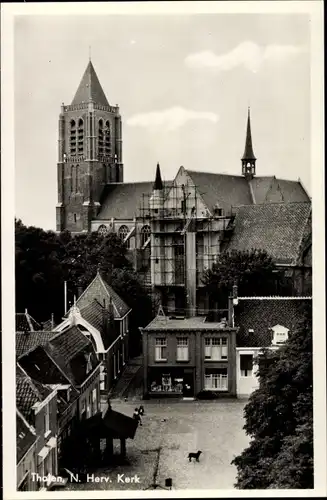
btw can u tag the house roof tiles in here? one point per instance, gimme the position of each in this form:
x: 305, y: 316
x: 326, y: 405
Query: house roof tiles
x: 25, y: 323
x: 165, y: 323
x: 25, y: 341
x: 28, y: 392
x: 277, y: 228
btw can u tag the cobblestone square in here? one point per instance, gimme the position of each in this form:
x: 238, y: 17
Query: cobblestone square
x: 171, y: 429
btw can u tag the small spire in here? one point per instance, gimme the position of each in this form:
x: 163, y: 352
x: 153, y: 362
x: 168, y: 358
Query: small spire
x: 158, y: 181
x: 248, y: 151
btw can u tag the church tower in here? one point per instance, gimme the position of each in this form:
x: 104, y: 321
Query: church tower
x: 248, y: 158
x: 90, y: 153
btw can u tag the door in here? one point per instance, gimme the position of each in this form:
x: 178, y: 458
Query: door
x: 188, y: 383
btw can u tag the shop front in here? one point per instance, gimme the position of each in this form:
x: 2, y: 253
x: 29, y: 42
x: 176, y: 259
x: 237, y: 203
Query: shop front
x: 172, y: 381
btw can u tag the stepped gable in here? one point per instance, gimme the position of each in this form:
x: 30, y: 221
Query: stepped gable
x: 261, y: 314
x: 277, y: 228
x: 90, y: 89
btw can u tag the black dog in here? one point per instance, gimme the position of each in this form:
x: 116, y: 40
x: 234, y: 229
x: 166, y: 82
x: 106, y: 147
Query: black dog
x: 194, y: 455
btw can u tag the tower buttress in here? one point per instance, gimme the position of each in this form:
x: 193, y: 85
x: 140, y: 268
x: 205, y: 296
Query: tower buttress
x: 248, y: 159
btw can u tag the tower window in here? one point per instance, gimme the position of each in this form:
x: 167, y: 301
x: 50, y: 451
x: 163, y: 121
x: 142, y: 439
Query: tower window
x: 80, y: 136
x: 107, y: 138
x: 72, y: 138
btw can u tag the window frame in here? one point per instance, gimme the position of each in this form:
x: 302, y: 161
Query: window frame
x: 221, y: 345
x: 160, y: 347
x: 182, y: 343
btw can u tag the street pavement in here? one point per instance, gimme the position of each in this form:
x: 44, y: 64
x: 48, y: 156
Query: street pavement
x: 171, y: 429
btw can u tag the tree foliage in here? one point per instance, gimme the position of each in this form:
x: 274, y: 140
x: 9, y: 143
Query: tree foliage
x: 45, y: 259
x: 279, y: 418
x: 253, y: 271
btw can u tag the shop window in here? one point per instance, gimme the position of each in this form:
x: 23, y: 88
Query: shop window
x: 246, y: 365
x: 215, y: 349
x: 182, y: 349
x: 167, y: 382
x: 161, y: 349
x: 216, y: 380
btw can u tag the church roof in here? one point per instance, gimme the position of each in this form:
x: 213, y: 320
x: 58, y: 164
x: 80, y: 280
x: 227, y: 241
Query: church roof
x: 123, y: 201
x: 226, y: 190
x: 90, y: 88
x: 261, y: 314
x: 278, y: 228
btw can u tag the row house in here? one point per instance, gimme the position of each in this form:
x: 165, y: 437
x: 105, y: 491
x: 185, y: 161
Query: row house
x: 68, y: 362
x: 186, y: 356
x: 103, y: 317
x: 36, y: 430
x: 263, y: 322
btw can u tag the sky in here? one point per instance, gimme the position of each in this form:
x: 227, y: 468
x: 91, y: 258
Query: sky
x: 183, y: 84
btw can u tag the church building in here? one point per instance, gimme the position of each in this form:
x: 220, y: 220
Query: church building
x: 174, y: 230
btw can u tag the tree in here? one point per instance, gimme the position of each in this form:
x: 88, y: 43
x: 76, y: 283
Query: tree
x: 279, y: 418
x: 38, y: 271
x: 84, y: 254
x: 253, y: 271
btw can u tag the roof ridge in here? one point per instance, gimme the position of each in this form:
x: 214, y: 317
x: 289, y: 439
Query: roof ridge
x: 286, y: 203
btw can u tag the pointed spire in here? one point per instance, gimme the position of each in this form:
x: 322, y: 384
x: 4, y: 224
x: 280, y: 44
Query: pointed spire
x: 90, y: 88
x: 248, y: 151
x: 158, y: 185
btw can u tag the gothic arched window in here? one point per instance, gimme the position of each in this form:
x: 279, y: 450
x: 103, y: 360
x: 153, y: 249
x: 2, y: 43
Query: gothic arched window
x: 107, y: 138
x: 80, y: 136
x: 122, y: 233
x: 145, y: 234
x: 72, y: 138
x: 100, y: 137
x: 102, y: 230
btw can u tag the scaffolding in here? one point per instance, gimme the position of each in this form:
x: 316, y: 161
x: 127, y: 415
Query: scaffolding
x: 185, y: 241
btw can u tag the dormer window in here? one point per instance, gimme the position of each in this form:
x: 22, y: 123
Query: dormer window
x: 280, y: 334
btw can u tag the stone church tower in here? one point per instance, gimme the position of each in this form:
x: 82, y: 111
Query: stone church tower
x: 90, y: 153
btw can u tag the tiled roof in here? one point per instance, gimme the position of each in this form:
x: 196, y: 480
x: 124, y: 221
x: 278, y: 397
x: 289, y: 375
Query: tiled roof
x: 28, y: 392
x: 277, y: 228
x: 25, y: 341
x: 40, y: 366
x: 292, y: 191
x: 25, y: 323
x: 120, y: 425
x: 24, y: 437
x: 164, y: 323
x: 123, y: 201
x: 90, y: 88
x: 226, y: 190
x: 61, y: 360
x: 93, y: 314
x: 263, y: 314
x: 99, y: 290
x: 48, y: 325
